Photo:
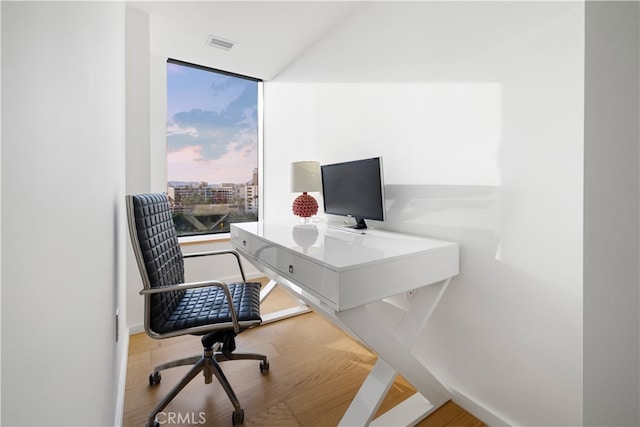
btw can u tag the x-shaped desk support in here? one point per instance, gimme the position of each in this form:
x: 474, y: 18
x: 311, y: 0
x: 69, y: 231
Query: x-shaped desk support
x: 390, y: 329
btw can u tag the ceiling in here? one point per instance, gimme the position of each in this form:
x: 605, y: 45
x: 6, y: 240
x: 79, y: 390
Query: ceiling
x: 268, y: 35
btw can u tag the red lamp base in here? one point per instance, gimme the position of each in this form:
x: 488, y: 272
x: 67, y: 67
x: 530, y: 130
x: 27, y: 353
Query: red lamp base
x: 305, y: 206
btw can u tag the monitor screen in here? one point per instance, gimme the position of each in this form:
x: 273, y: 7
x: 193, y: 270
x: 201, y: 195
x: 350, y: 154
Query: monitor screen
x: 354, y: 189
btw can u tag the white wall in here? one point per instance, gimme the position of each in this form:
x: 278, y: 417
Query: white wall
x: 62, y: 211
x: 477, y: 109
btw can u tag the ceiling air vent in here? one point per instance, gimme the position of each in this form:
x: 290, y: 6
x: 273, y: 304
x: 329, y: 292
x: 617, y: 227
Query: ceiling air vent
x: 220, y: 43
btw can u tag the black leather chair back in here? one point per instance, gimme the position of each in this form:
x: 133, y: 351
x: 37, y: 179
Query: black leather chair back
x: 160, y: 252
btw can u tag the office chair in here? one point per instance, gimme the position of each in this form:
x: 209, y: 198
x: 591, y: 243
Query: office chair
x: 213, y: 309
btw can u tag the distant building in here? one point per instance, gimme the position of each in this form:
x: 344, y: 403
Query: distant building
x: 251, y: 198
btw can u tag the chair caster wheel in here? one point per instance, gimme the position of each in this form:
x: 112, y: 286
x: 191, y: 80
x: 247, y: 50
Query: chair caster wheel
x: 155, y: 379
x: 264, y: 366
x: 155, y: 424
x: 238, y: 417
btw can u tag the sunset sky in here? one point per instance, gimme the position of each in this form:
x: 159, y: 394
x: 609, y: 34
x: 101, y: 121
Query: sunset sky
x: 212, y: 126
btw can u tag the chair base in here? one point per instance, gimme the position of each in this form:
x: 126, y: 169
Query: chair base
x: 208, y: 365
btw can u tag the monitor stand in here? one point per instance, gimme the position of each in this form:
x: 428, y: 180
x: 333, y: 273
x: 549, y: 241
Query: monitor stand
x: 359, y: 225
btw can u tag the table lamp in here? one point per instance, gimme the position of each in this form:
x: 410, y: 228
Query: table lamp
x: 305, y: 177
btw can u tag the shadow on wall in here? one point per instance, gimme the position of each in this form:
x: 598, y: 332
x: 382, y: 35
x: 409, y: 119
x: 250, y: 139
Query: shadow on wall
x: 463, y: 213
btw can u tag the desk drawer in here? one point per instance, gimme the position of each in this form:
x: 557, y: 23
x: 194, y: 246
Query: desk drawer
x: 246, y: 242
x: 311, y: 276
x: 260, y: 249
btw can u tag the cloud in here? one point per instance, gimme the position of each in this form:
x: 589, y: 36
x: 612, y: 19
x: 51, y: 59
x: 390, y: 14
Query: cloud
x: 175, y: 129
x: 213, y: 134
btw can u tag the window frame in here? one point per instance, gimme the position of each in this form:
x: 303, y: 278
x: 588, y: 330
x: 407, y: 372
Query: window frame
x: 216, y: 237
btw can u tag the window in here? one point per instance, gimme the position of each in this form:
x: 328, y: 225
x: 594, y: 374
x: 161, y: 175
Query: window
x: 212, y: 148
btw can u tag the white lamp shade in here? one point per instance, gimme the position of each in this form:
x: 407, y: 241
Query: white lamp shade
x: 305, y: 177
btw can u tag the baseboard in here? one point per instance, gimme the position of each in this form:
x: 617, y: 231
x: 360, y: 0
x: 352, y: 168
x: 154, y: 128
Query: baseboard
x: 122, y: 380
x: 256, y: 275
x: 478, y: 410
x: 138, y: 328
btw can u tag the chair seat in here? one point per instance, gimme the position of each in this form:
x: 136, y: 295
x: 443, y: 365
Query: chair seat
x: 206, y: 306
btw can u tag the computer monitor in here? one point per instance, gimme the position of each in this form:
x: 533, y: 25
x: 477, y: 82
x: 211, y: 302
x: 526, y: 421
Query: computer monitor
x: 354, y: 189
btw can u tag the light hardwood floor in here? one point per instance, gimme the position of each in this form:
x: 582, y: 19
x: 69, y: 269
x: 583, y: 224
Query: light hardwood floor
x: 315, y: 370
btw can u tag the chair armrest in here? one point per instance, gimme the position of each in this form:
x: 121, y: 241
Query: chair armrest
x: 219, y: 252
x: 195, y: 285
x: 182, y: 287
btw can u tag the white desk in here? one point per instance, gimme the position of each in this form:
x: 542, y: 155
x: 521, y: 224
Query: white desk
x: 374, y: 287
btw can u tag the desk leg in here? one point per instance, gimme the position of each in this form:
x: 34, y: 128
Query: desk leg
x: 364, y: 406
x: 301, y: 308
x: 392, y: 343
